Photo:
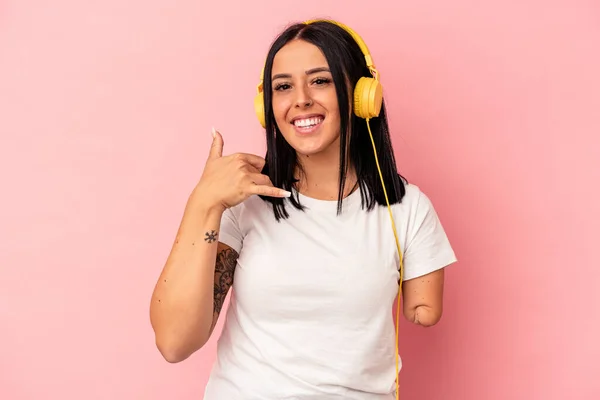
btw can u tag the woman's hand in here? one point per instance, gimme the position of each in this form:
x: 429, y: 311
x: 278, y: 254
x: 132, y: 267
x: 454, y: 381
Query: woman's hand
x: 229, y: 180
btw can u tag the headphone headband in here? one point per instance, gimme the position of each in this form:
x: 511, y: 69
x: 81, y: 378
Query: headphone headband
x: 361, y: 43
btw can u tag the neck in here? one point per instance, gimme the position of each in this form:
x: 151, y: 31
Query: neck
x: 319, y: 176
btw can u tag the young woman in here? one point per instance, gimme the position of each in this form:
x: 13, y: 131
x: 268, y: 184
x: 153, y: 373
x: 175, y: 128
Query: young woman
x: 304, y: 239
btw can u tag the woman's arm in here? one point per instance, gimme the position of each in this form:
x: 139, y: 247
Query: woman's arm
x: 423, y: 298
x: 192, y: 286
x: 190, y: 291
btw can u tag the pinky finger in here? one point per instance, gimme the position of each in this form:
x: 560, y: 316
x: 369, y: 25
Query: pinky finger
x: 270, y: 191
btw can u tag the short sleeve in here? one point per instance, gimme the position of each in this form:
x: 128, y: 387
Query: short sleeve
x: 231, y: 234
x: 427, y: 246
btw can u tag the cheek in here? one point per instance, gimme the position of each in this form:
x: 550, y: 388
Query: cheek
x: 280, y: 108
x: 331, y: 104
x: 334, y: 112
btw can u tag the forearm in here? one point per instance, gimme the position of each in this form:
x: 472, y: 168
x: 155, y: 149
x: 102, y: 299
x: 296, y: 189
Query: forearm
x: 181, y: 310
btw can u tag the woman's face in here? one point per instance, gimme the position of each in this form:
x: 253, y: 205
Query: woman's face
x: 304, y: 99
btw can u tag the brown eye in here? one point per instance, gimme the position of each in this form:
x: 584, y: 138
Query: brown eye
x: 322, y: 81
x: 282, y: 86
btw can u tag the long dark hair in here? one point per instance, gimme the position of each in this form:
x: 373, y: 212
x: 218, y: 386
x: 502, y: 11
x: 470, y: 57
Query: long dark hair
x: 347, y: 64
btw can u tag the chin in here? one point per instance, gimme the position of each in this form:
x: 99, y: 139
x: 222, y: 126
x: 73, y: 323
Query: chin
x: 307, y: 152
x: 309, y: 146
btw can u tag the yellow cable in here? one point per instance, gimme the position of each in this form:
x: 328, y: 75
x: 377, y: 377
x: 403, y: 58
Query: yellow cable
x: 400, y: 258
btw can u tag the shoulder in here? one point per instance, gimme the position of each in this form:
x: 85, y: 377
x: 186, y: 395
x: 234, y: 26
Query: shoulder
x: 417, y: 213
x: 238, y: 220
x: 251, y: 208
x: 413, y: 193
x: 415, y: 201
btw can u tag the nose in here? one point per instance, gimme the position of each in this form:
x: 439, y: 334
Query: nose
x: 303, y: 98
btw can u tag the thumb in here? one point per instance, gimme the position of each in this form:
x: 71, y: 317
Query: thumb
x: 216, y: 149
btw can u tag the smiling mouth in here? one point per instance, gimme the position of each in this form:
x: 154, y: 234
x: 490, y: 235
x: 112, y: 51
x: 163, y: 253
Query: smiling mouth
x: 307, y: 122
x: 308, y: 125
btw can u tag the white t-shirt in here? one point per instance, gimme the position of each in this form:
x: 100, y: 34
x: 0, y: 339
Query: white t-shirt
x: 310, y: 315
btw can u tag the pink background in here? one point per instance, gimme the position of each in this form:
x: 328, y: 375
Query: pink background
x: 105, y: 116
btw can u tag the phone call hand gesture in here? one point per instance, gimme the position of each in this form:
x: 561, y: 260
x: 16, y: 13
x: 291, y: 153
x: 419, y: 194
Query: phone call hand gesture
x: 229, y: 180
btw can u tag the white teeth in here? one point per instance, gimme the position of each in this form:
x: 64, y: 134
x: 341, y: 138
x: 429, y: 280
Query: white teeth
x: 308, y: 122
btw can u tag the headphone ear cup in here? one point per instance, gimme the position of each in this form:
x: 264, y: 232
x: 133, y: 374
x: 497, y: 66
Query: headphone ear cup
x: 259, y: 109
x: 368, y: 97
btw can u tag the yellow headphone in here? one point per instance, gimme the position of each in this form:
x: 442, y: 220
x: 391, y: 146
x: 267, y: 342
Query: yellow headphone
x: 368, y: 98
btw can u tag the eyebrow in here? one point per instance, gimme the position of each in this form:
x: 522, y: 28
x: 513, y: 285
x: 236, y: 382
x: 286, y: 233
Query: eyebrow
x: 308, y: 72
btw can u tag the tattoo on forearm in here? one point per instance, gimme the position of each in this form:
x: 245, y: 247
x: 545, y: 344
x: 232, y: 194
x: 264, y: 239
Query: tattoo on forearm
x: 211, y: 236
x: 224, y: 269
